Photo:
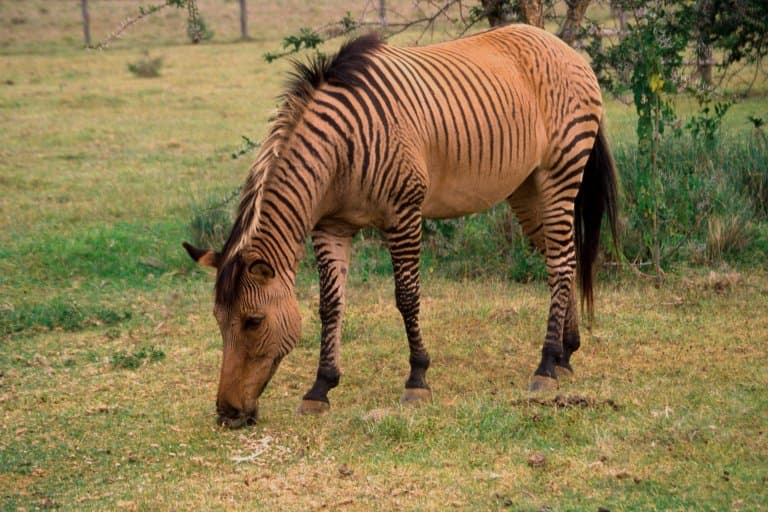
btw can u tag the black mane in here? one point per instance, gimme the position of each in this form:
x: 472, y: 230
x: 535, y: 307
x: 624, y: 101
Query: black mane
x: 341, y: 68
x: 228, y: 276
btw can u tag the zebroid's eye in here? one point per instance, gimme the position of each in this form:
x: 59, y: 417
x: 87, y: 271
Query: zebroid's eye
x: 252, y: 322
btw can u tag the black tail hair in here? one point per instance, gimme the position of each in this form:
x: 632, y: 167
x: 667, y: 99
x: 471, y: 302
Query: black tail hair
x: 597, y: 196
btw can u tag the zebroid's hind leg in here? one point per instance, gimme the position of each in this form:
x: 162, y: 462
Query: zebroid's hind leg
x: 404, y: 241
x: 571, y: 339
x: 332, y: 252
x: 547, y: 232
x: 561, y: 269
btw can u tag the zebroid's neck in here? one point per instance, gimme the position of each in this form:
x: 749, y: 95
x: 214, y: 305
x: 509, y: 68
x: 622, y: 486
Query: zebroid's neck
x: 291, y: 191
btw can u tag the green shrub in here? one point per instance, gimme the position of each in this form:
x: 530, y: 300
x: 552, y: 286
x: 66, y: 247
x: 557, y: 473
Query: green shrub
x: 197, y: 30
x: 211, y: 221
x: 712, y: 196
x: 146, y: 67
x: 133, y: 360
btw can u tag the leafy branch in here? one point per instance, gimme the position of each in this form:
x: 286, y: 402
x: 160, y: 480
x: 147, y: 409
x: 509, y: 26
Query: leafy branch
x: 245, y: 147
x: 306, y: 39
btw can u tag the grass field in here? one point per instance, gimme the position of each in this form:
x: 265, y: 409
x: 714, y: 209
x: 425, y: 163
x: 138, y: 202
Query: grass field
x: 109, y: 356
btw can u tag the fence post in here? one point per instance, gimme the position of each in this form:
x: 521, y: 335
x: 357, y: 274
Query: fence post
x: 243, y: 20
x: 383, y: 14
x: 86, y: 22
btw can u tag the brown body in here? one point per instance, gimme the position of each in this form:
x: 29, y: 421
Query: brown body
x: 382, y: 136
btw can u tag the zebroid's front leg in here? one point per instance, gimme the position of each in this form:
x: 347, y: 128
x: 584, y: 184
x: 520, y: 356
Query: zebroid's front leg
x: 332, y: 252
x: 404, y: 241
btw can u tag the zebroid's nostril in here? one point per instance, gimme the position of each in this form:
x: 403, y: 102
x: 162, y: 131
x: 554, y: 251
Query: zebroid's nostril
x: 226, y: 411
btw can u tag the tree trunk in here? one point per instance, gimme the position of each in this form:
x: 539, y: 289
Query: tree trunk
x: 243, y: 20
x: 706, y: 14
x: 533, y: 12
x: 704, y: 62
x: 617, y: 9
x: 86, y: 22
x: 494, y: 12
x: 573, y: 20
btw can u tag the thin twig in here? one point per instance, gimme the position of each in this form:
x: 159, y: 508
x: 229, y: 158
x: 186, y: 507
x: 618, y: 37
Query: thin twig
x: 428, y: 20
x: 230, y: 197
x: 127, y: 23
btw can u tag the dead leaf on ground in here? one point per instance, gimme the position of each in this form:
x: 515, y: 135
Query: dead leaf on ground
x: 537, y: 460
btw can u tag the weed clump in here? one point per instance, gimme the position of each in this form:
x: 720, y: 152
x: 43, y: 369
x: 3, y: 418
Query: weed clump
x: 146, y: 67
x: 211, y: 220
x: 197, y: 30
x: 133, y: 360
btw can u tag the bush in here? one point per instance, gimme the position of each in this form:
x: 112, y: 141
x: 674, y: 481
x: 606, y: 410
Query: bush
x: 146, y: 67
x: 712, y: 196
x: 197, y: 30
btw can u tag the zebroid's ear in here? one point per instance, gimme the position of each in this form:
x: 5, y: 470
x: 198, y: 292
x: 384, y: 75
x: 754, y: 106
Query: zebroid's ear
x: 205, y: 257
x: 261, y: 271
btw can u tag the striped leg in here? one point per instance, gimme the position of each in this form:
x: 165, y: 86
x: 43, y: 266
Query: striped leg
x: 533, y: 229
x: 332, y: 252
x: 571, y: 339
x: 404, y: 242
x: 561, y: 268
x: 527, y: 204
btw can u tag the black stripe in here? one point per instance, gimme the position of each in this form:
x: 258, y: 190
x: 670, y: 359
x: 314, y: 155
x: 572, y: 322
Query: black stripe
x: 293, y: 227
x: 438, y: 115
x: 400, y: 95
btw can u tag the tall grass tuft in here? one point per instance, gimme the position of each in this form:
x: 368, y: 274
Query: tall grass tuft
x: 727, y: 236
x: 752, y: 173
x: 712, y: 196
x: 211, y: 220
x: 146, y: 66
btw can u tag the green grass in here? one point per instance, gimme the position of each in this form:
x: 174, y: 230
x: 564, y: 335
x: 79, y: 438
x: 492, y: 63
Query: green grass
x: 109, y: 356
x: 57, y: 314
x: 134, y: 360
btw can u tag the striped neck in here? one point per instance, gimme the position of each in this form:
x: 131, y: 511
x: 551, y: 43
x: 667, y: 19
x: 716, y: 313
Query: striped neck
x: 293, y: 188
